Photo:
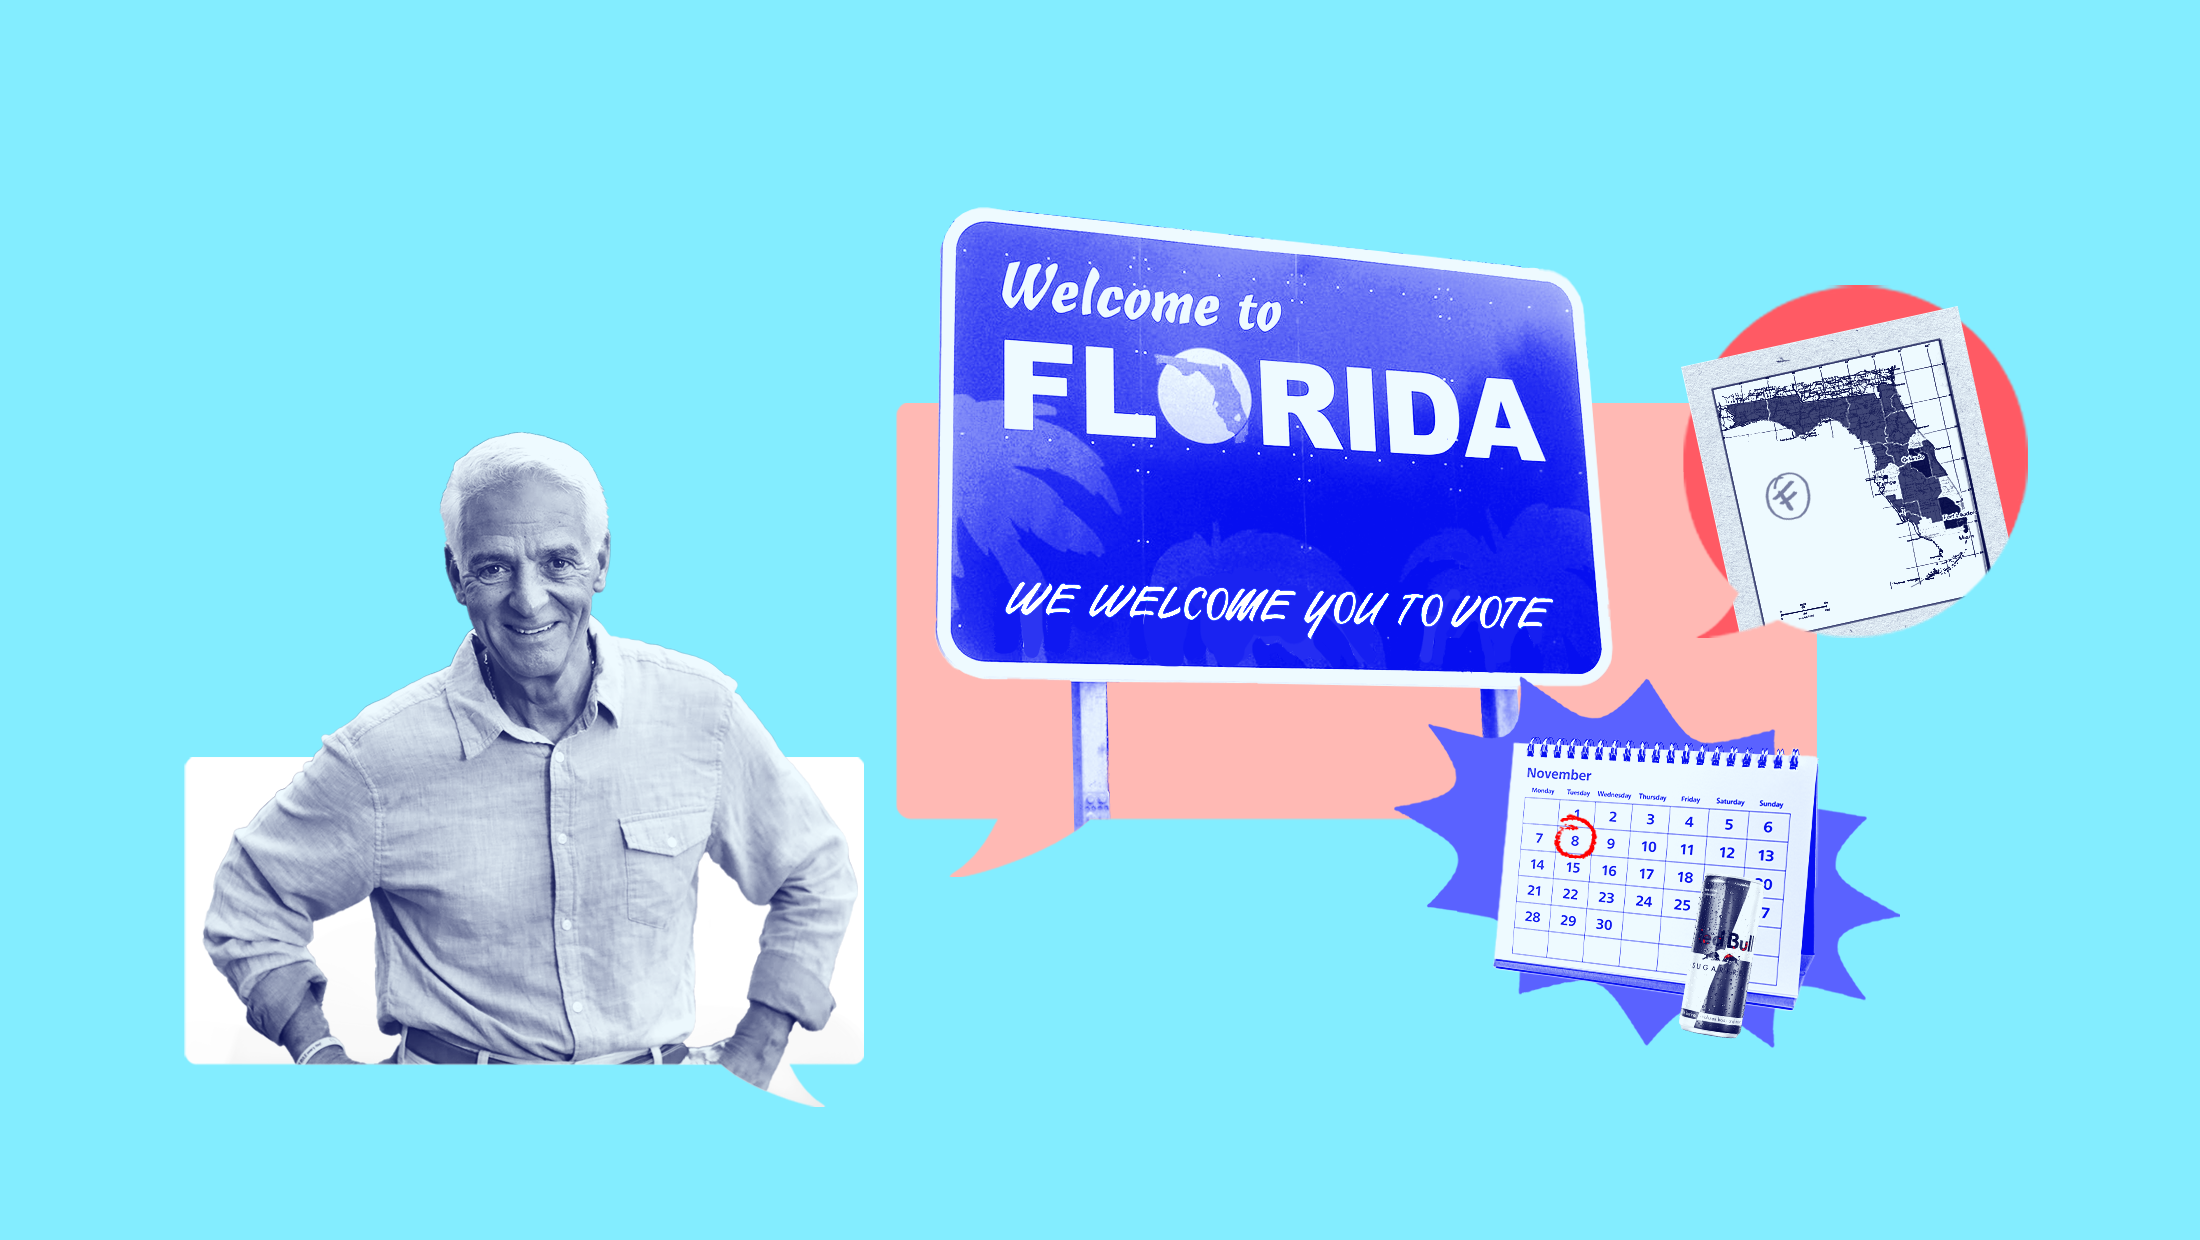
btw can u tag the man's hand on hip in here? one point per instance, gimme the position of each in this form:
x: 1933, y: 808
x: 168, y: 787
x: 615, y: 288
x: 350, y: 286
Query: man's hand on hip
x: 307, y: 1031
x: 754, y: 1050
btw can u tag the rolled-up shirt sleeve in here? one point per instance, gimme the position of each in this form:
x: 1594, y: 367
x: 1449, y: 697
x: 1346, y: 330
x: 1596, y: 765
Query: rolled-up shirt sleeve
x: 308, y: 853
x: 771, y: 835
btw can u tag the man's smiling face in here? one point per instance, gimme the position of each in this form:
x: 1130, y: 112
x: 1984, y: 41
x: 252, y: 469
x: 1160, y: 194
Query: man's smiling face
x: 525, y: 574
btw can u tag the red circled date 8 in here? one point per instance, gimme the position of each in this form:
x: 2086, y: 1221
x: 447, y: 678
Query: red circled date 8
x: 1586, y: 825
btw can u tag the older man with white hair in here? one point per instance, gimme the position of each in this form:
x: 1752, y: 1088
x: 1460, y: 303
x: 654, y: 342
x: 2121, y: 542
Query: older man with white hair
x: 528, y: 823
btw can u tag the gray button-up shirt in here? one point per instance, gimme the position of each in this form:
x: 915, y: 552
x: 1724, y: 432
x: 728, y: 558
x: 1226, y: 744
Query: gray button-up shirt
x: 536, y: 898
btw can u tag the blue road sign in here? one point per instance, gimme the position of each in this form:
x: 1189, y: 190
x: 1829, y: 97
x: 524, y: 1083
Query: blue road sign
x: 1188, y: 457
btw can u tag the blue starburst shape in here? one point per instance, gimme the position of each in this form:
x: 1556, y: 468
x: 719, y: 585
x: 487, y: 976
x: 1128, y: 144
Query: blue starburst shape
x: 1471, y: 817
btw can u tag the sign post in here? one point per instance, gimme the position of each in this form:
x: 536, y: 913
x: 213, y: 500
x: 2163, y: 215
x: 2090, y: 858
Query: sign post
x: 1178, y: 456
x: 1088, y: 738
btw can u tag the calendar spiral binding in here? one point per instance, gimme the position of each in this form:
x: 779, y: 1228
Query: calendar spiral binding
x: 1683, y: 755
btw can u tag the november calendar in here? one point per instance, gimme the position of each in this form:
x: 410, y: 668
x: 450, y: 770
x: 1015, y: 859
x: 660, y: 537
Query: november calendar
x: 1607, y: 846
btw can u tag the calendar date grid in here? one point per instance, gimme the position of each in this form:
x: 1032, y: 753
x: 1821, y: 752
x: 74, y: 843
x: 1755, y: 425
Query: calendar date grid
x: 1628, y: 897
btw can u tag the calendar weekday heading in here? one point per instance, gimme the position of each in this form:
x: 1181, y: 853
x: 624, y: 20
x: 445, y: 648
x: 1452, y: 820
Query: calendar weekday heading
x: 1654, y: 797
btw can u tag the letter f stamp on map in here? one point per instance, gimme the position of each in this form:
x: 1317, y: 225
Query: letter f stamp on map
x: 1849, y: 476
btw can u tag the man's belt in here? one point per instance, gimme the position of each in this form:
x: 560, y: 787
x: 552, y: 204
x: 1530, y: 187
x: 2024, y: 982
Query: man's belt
x: 440, y: 1050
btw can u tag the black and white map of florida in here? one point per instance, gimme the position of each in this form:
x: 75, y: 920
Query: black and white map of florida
x: 1868, y: 407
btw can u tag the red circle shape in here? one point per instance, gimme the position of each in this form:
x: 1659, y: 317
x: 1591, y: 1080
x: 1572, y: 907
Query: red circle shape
x: 1592, y: 837
x: 1861, y: 305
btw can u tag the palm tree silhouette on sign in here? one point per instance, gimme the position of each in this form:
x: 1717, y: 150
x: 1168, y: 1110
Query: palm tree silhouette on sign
x: 1001, y: 496
x: 1546, y: 553
x: 1252, y: 559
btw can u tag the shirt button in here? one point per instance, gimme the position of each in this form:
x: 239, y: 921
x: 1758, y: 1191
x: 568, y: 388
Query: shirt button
x: 569, y: 923
x: 578, y: 1006
x: 563, y: 837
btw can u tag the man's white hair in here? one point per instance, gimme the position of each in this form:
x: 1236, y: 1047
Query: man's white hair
x: 513, y: 458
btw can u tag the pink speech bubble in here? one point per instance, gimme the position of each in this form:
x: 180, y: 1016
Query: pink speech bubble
x: 998, y: 749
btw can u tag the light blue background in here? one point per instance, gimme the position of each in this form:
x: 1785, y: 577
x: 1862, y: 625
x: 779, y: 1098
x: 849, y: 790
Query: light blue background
x: 267, y: 273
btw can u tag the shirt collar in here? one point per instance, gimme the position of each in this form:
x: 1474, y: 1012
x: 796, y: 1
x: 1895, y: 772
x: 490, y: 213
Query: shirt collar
x: 481, y: 719
x: 608, y: 689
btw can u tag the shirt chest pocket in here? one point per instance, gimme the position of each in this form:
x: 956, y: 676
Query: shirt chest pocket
x: 662, y: 851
